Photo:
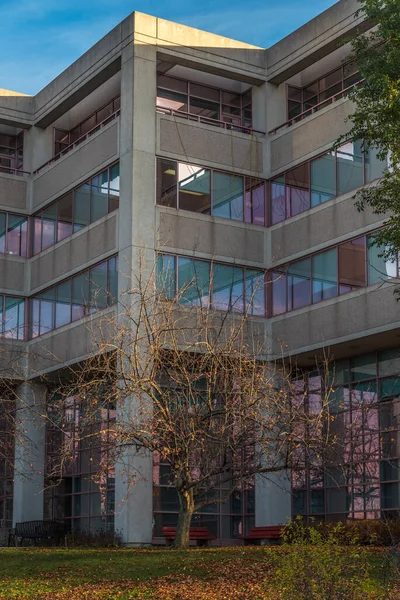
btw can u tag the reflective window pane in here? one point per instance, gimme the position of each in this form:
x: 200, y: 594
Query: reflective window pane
x: 167, y: 178
x: 352, y: 259
x: 82, y: 207
x: 64, y: 217
x: 112, y: 281
x: 49, y: 221
x: 98, y: 286
x: 278, y: 200
x: 46, y: 311
x: 254, y: 209
x: 349, y: 159
x: 14, y: 318
x: 2, y: 232
x: 227, y: 288
x: 17, y: 235
x: 99, y: 197
x: 255, y: 292
x: 80, y: 296
x: 324, y: 275
x: 379, y: 268
x: 228, y: 196
x: 363, y: 367
x: 299, y: 287
x: 165, y: 276
x: 63, y: 303
x: 194, y: 187
x: 298, y: 189
x: 204, y: 108
x: 193, y: 282
x: 279, y: 299
x: 374, y: 166
x: 323, y: 186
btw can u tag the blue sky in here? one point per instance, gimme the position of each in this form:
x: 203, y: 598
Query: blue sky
x: 40, y: 38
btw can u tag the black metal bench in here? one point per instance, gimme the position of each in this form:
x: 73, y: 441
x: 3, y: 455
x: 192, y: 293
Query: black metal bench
x: 38, y: 530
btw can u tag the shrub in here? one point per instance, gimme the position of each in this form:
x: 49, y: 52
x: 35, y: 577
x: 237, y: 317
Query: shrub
x: 93, y: 539
x: 325, y: 563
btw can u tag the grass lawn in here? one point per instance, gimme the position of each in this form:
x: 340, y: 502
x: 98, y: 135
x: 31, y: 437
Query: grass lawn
x: 198, y: 574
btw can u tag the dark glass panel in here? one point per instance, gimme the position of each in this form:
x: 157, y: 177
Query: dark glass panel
x: 352, y: 260
x: 254, y: 207
x: 46, y: 311
x: 389, y: 362
x: 170, y: 83
x: 332, y: 91
x: 227, y: 288
x: 63, y: 303
x: 167, y: 179
x: 231, y: 98
x: 298, y: 189
x: 17, y: 235
x: 202, y: 91
x: 278, y: 200
x: 87, y: 125
x: 112, y: 281
x: 363, y: 367
x: 294, y: 109
x: 323, y: 185
x: 330, y: 79
x: 255, y: 292
x: 194, y: 185
x: 172, y: 100
x: 80, y: 296
x: 299, y: 502
x: 204, y: 108
x: 324, y: 275
x: 64, y: 217
x: 299, y: 288
x: 379, y: 268
x: 82, y: 207
x: 227, y: 196
x: 390, y: 495
x: 166, y: 276
x: 104, y: 112
x: 49, y: 220
x: 193, y: 282
x: 2, y: 232
x: 390, y: 470
x: 98, y: 286
x: 374, y: 166
x: 294, y: 93
x: 37, y: 234
x: 349, y: 159
x: 14, y: 318
x: 278, y: 293
x: 99, y: 196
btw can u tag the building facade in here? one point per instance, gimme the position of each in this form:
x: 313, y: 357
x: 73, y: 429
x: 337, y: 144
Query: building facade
x: 217, y: 152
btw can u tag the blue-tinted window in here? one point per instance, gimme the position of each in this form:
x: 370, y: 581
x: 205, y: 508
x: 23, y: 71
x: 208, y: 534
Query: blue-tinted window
x: 255, y: 292
x: 166, y: 276
x: 324, y: 275
x: 227, y: 196
x: 194, y: 282
x: 227, y: 288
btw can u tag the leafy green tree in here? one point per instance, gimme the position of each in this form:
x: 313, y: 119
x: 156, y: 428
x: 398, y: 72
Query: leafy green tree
x: 376, y: 118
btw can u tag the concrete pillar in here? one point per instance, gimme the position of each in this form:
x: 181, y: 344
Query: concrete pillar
x: 273, y: 499
x: 137, y: 238
x: 29, y: 458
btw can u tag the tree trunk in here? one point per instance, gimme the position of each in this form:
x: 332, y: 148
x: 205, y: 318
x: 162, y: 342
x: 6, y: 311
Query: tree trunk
x: 184, y: 519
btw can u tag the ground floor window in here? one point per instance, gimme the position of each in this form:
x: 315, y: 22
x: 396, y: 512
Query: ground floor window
x: 6, y: 462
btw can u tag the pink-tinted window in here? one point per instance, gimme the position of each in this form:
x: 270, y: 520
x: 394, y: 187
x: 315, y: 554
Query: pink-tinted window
x: 255, y: 202
x: 278, y: 200
x: 278, y: 293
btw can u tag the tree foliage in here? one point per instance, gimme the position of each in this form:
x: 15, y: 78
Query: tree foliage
x: 376, y: 118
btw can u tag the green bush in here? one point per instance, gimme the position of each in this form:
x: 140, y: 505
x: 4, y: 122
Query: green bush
x: 325, y: 563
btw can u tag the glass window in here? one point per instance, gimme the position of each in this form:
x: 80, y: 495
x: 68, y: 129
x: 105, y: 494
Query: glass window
x: 352, y: 265
x: 389, y: 362
x: 167, y: 178
x: 255, y: 292
x: 49, y: 221
x: 82, y: 207
x: 165, y: 276
x: 324, y: 275
x: 98, y: 286
x: 112, y: 281
x: 194, y: 188
x: 64, y: 217
x: 99, y: 196
x: 228, y: 196
x: 279, y: 299
x: 114, y: 188
x: 323, y: 186
x: 17, y: 235
x: 204, y: 108
x: 80, y: 296
x: 35, y: 317
x: 379, y: 268
x: 193, y: 282
x: 349, y: 158
x: 46, y: 311
x: 14, y: 318
x: 227, y: 288
x: 374, y: 166
x: 363, y: 367
x: 278, y: 200
x: 63, y: 303
x: 298, y: 189
x: 2, y: 232
x: 37, y: 234
x: 298, y: 280
x: 254, y: 206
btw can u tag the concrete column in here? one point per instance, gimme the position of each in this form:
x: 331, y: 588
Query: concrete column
x: 273, y: 499
x: 29, y: 458
x: 137, y: 236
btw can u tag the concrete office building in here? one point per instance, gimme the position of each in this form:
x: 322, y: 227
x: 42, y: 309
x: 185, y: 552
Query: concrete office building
x: 165, y: 136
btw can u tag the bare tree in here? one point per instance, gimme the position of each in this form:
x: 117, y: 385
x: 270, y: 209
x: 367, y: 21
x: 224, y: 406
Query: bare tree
x: 195, y: 387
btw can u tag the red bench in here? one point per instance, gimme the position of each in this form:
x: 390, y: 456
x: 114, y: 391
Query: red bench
x: 200, y: 535
x: 257, y: 534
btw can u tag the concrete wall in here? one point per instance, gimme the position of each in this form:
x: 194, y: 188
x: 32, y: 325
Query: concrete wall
x: 88, y: 157
x: 12, y: 274
x: 211, y: 237
x: 74, y: 253
x: 220, y: 148
x: 350, y: 317
x: 316, y: 133
x: 321, y: 226
x: 13, y: 192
